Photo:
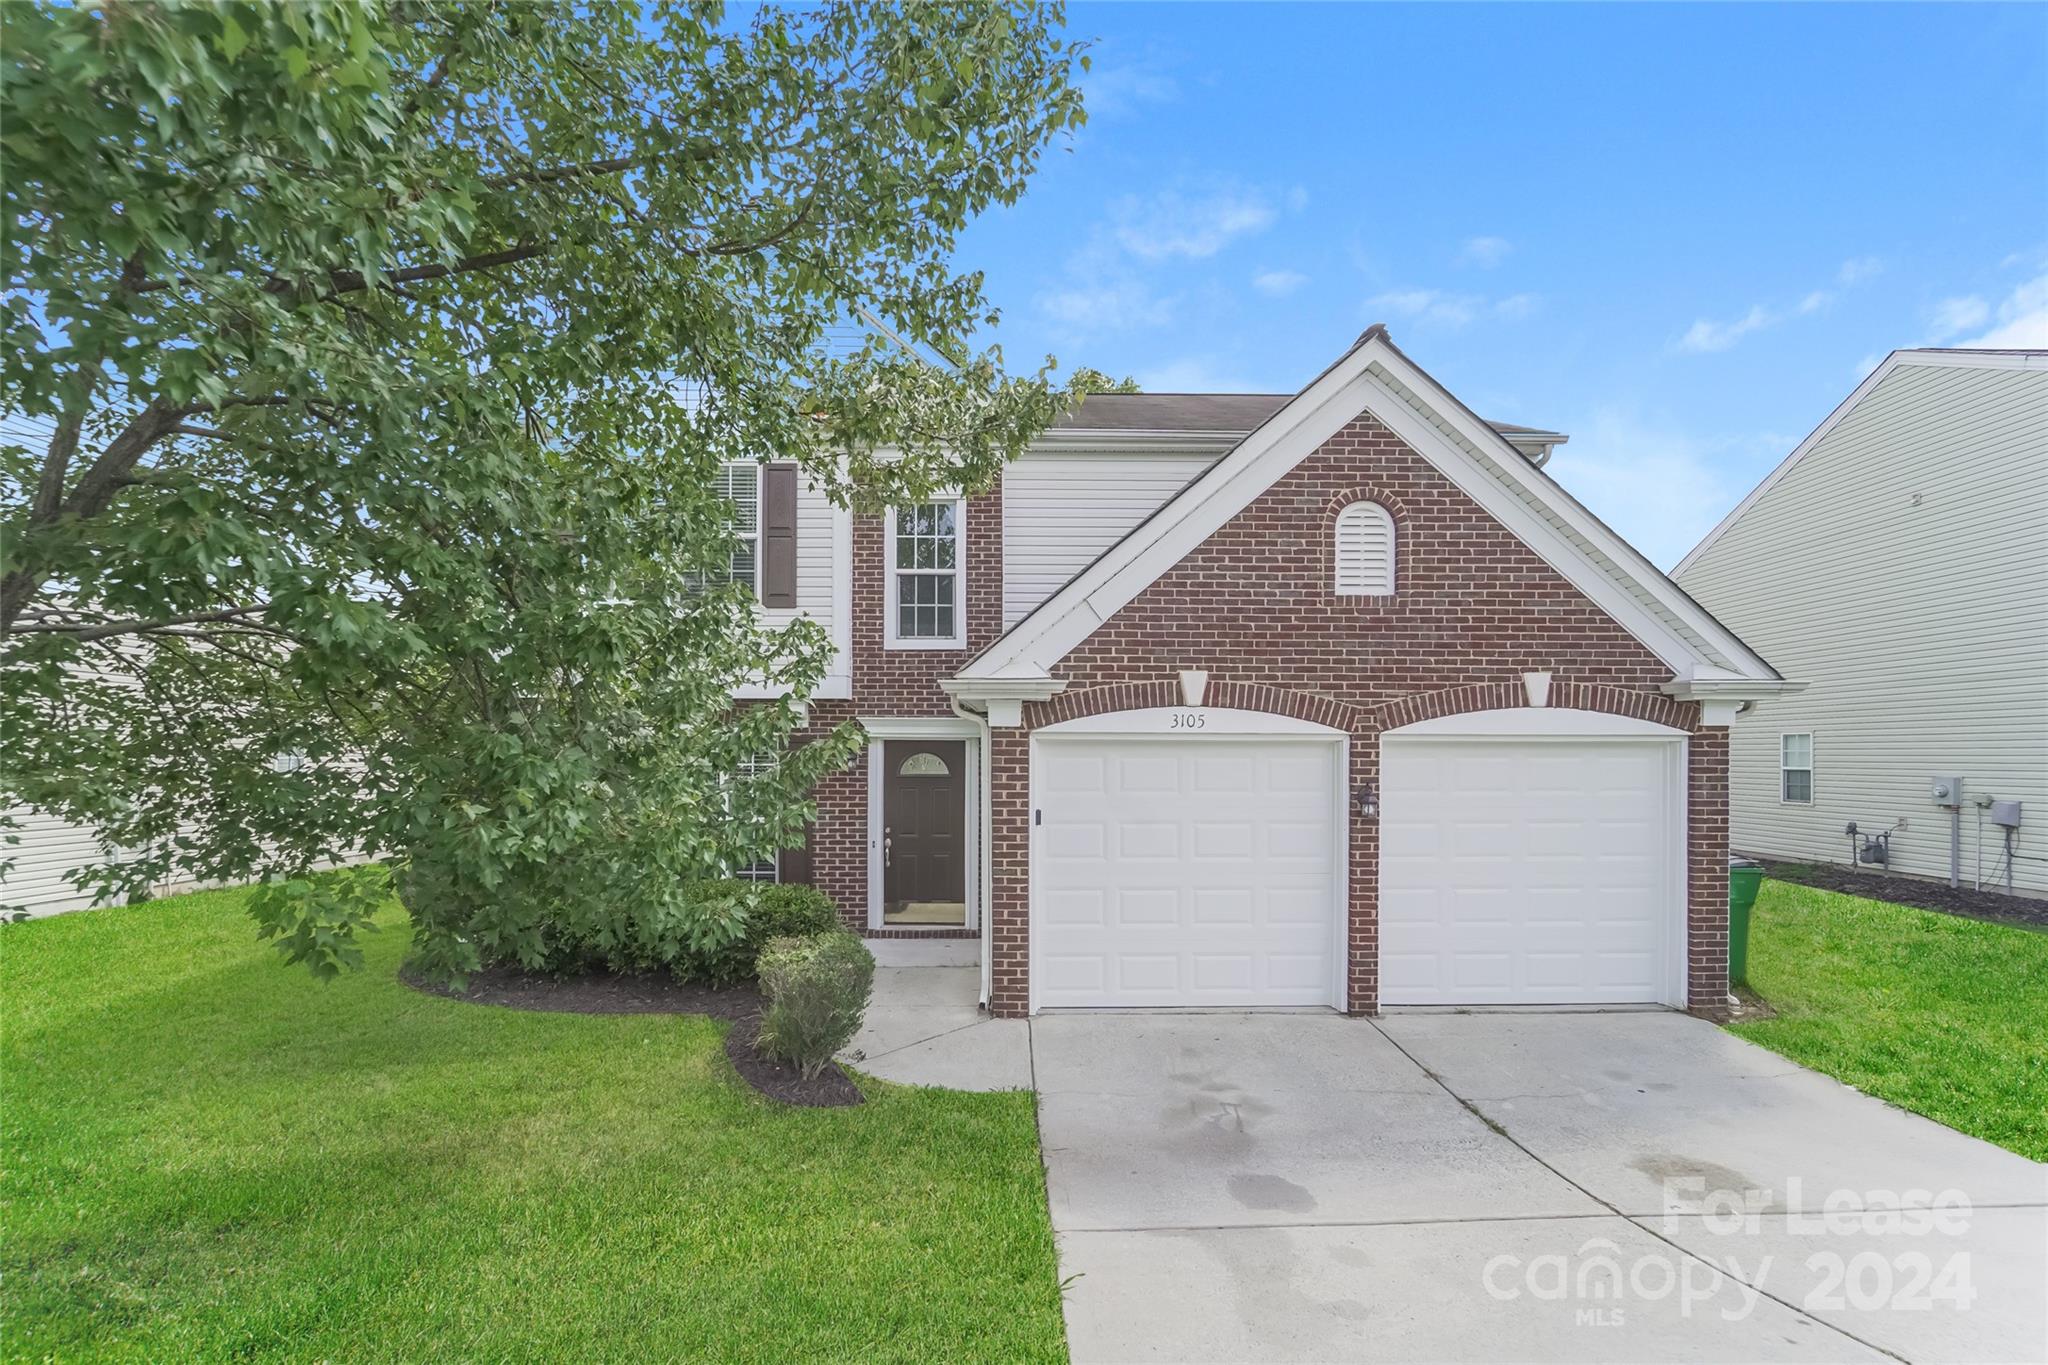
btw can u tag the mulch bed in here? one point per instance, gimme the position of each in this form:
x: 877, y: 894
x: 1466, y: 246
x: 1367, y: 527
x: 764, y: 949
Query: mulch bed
x: 1965, y: 901
x: 656, y: 993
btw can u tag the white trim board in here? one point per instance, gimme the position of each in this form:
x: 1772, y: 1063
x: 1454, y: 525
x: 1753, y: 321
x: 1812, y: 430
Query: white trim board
x: 1535, y: 722
x: 1375, y: 377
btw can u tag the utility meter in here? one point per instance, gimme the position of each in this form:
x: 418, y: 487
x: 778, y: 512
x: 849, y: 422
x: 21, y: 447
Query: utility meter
x: 1948, y: 791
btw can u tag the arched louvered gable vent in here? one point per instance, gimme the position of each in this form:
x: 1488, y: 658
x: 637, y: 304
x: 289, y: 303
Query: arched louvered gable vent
x: 1365, y: 551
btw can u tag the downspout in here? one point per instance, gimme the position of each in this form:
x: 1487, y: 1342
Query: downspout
x: 984, y: 843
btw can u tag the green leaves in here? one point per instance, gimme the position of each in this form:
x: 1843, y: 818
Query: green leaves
x: 392, y: 352
x: 315, y: 920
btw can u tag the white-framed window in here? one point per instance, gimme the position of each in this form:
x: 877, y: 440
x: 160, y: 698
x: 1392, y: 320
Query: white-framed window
x: 768, y: 869
x: 740, y: 484
x: 1795, y: 769
x: 925, y: 548
x: 1364, y: 552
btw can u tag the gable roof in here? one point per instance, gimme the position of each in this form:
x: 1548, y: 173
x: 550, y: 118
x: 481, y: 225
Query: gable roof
x: 1374, y: 376
x: 1929, y: 356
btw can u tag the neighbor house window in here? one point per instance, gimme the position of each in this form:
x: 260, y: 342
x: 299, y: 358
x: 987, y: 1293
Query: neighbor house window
x: 1365, y: 551
x: 740, y: 484
x: 1795, y: 768
x: 927, y: 557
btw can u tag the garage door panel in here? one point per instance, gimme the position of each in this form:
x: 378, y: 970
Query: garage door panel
x: 1220, y: 883
x: 1525, y: 871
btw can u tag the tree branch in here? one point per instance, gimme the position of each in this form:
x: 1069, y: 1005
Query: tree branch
x: 41, y: 623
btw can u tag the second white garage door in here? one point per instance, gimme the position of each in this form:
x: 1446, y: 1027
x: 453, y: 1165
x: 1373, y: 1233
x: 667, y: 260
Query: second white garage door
x: 1518, y: 872
x: 1185, y: 871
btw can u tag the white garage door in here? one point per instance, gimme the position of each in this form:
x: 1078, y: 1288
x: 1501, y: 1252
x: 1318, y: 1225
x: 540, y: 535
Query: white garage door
x: 1185, y: 871
x: 1526, y: 872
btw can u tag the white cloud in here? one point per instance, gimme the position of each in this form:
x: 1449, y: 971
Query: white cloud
x: 1121, y: 89
x: 1095, y: 304
x: 1705, y: 335
x: 2022, y: 320
x: 1428, y: 305
x: 1443, y: 308
x: 1485, y: 252
x: 1958, y: 315
x: 1173, y: 225
x: 1193, y: 374
x: 1516, y: 306
x: 1661, y: 489
x: 1278, y: 283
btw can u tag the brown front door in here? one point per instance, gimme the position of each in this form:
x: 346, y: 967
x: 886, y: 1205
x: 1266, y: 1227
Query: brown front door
x: 924, y: 821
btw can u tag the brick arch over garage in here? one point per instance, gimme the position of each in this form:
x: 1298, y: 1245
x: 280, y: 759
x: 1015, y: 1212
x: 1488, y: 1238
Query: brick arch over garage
x: 1706, y: 816
x: 1503, y: 696
x: 1221, y: 692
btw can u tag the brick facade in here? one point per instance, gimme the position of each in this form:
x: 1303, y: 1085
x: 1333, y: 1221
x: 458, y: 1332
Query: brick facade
x: 897, y: 683
x: 1473, y: 609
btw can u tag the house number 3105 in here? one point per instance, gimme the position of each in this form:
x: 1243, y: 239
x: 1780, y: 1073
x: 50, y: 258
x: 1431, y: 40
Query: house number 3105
x: 1187, y: 720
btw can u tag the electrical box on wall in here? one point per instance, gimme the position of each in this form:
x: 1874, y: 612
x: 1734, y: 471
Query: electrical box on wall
x: 2006, y: 813
x: 1948, y: 791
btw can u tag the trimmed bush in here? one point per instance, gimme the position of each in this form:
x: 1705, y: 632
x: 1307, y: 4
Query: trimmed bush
x: 773, y: 910
x: 817, y: 990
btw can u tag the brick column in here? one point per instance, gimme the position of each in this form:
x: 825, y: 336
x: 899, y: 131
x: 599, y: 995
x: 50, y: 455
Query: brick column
x: 1706, y: 958
x: 1009, y: 852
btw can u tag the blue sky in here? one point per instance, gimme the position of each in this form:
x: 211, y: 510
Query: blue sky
x: 1679, y: 233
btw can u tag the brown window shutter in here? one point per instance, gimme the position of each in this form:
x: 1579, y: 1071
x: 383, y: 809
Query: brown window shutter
x: 796, y: 862
x: 778, y: 536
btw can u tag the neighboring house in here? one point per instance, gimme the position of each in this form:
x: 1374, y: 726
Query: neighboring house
x: 1898, y: 562
x: 1331, y: 698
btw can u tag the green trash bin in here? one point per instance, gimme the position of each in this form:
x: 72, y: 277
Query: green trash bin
x: 1744, y: 877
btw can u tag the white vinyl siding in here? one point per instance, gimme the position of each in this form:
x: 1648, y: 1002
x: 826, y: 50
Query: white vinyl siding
x: 1061, y: 511
x: 1364, y: 551
x: 1916, y: 614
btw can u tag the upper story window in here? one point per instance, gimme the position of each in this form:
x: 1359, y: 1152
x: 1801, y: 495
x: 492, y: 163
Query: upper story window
x: 1364, y: 551
x: 926, y: 545
x: 740, y: 483
x: 1795, y: 768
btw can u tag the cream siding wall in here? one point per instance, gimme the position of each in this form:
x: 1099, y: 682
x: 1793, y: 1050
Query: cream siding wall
x: 1900, y: 567
x: 1062, y: 510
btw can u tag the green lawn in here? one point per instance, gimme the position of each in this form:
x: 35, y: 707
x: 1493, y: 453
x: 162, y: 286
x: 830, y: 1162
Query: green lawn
x: 210, y: 1155
x: 1946, y: 1017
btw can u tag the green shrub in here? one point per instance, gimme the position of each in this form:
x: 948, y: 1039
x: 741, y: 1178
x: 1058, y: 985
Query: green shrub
x: 817, y: 990
x: 709, y: 931
x: 773, y: 910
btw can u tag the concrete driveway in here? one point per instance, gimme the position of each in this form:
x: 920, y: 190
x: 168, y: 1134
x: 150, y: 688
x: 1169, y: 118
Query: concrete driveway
x: 1512, y: 1187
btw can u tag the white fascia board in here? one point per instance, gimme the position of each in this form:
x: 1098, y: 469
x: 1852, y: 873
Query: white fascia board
x: 1588, y: 552
x: 1959, y: 360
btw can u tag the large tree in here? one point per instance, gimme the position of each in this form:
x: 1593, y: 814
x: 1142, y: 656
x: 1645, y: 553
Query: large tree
x: 383, y: 358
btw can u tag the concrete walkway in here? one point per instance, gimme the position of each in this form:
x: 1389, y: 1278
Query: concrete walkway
x: 925, y: 1025
x: 1481, y: 1187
